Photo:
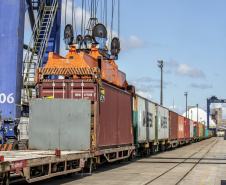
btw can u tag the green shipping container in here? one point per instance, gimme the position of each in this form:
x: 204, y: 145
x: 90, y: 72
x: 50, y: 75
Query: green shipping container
x: 195, y: 129
x: 135, y: 121
x: 206, y: 133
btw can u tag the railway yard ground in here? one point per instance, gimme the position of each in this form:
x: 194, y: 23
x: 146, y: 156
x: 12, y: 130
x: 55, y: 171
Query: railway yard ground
x: 199, y: 163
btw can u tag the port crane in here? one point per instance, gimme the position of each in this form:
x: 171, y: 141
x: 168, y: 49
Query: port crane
x: 213, y: 99
x: 17, y: 75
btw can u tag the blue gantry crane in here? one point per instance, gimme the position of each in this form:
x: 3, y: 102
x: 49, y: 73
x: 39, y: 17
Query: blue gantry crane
x: 213, y: 99
x: 17, y: 74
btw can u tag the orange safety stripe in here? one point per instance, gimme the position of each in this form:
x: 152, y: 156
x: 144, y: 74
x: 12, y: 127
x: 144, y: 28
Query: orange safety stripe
x: 9, y: 148
x: 5, y: 147
x: 69, y: 71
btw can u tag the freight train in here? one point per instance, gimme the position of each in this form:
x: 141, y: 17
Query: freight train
x: 157, y: 128
x: 119, y: 117
x: 91, y: 116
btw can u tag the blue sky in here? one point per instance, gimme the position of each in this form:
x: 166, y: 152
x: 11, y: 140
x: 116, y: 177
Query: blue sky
x: 188, y: 35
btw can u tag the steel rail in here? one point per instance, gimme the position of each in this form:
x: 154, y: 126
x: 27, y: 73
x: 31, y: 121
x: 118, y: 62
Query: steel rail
x: 152, y: 180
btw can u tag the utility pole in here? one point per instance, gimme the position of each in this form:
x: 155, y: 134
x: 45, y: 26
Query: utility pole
x: 160, y: 65
x: 186, y: 95
x: 197, y: 105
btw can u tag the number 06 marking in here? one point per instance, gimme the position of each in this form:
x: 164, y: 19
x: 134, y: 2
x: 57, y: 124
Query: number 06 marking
x: 9, y: 98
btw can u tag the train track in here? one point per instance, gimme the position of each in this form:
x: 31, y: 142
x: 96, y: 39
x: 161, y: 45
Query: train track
x: 167, y: 171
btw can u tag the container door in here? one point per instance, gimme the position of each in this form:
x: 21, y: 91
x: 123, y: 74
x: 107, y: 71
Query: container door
x: 63, y: 124
x: 163, y: 123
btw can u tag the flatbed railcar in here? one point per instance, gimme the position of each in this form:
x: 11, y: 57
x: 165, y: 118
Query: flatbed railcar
x: 37, y: 165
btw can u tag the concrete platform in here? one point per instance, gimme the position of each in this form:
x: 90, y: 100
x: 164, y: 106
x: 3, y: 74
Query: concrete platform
x: 170, y: 167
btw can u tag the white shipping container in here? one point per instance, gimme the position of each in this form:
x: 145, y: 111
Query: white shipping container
x: 163, y: 122
x: 191, y: 128
x: 146, y: 119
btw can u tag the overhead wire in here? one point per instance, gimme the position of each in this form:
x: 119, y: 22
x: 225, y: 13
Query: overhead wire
x: 85, y: 19
x: 112, y: 17
x: 106, y: 11
x: 118, y: 18
x: 72, y: 13
x: 97, y: 4
x: 101, y: 8
x: 75, y: 24
x: 82, y: 18
x: 65, y: 14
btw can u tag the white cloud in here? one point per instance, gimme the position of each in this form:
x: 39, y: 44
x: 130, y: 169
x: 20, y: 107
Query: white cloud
x: 185, y: 69
x: 144, y: 94
x: 201, y: 86
x: 132, y: 43
x: 177, y: 109
x: 77, y: 16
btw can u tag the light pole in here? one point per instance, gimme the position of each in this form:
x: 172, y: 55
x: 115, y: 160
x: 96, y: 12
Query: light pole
x: 197, y: 105
x: 160, y: 65
x: 186, y: 95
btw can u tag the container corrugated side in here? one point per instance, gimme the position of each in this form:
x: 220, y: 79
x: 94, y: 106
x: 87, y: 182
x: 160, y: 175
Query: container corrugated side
x: 180, y: 127
x: 115, y: 118
x: 206, y: 133
x: 203, y: 129
x: 200, y: 130
x: 196, y: 129
x: 135, y: 129
x: 173, y: 118
x: 163, y: 122
x: 191, y: 129
x: 114, y: 114
x: 186, y: 128
x: 146, y: 119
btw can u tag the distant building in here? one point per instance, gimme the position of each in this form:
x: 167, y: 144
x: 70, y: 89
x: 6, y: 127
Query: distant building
x: 202, y: 116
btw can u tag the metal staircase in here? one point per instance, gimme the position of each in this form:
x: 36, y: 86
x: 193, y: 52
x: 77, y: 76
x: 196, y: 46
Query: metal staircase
x: 37, y: 46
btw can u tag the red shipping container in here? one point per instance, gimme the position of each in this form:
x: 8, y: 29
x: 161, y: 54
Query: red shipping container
x: 113, y: 117
x: 173, y: 117
x: 186, y: 128
x: 180, y: 127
